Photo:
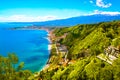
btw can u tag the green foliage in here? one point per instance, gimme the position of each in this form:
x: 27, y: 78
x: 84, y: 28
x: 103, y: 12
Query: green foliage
x: 92, y: 37
x: 8, y: 71
x: 90, y: 68
x: 78, y: 72
x: 116, y: 41
x: 13, y: 58
x: 84, y: 43
x: 116, y: 68
x: 61, y: 31
x: 21, y: 65
x: 63, y: 73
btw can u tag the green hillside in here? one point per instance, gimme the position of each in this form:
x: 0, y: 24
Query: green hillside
x: 86, y: 43
x: 92, y: 37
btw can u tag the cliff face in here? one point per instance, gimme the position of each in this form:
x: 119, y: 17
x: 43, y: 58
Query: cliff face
x: 85, y: 44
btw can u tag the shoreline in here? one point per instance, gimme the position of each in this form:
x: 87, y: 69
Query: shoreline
x: 49, y: 49
x: 48, y: 38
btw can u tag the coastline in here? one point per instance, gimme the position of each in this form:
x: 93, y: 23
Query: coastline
x: 49, y: 48
x: 36, y: 74
x: 48, y: 38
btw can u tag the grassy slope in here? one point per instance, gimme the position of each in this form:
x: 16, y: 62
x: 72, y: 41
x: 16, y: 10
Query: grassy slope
x: 94, y: 37
x: 89, y: 40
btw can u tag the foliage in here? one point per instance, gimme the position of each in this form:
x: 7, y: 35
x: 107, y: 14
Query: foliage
x: 92, y: 37
x: 9, y: 71
x: 84, y: 43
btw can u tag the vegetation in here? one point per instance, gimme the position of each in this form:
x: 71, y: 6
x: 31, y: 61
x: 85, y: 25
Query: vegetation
x: 91, y: 37
x: 85, y: 43
x: 9, y: 69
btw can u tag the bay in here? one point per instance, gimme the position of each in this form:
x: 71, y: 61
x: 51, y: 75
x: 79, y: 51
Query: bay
x: 31, y: 46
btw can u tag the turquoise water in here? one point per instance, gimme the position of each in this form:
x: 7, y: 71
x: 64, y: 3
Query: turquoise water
x: 31, y: 46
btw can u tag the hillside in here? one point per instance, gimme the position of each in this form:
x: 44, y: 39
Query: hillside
x: 83, y: 61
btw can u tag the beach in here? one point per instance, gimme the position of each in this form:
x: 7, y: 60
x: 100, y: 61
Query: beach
x: 47, y: 64
x: 49, y: 48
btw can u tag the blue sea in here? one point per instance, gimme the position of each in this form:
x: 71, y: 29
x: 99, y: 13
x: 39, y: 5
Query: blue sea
x: 31, y: 46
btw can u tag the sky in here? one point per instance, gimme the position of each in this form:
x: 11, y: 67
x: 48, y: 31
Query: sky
x: 44, y: 10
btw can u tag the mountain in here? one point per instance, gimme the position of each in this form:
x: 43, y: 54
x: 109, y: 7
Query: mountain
x: 89, y: 47
x: 90, y: 19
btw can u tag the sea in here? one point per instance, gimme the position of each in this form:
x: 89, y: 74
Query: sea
x: 31, y: 46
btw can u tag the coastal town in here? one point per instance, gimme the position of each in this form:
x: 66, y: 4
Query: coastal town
x: 60, y: 50
x: 58, y: 57
x: 60, y: 40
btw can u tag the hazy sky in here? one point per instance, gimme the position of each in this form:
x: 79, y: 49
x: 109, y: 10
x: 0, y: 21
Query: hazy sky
x: 42, y: 10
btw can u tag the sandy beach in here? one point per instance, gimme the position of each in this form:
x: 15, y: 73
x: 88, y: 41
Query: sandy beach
x: 49, y: 48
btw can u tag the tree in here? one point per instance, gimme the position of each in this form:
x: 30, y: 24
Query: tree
x: 8, y: 71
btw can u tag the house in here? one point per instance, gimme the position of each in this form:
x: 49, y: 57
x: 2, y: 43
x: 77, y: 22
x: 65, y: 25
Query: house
x: 111, y: 50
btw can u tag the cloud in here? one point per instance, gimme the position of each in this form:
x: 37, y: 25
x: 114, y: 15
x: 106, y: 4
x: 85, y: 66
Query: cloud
x: 105, y: 12
x: 100, y: 3
x: 53, y: 15
x: 91, y: 1
x: 25, y: 18
x: 95, y: 12
x: 30, y: 15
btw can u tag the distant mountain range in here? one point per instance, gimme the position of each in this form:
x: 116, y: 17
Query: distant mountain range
x: 90, y: 19
x: 80, y: 20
